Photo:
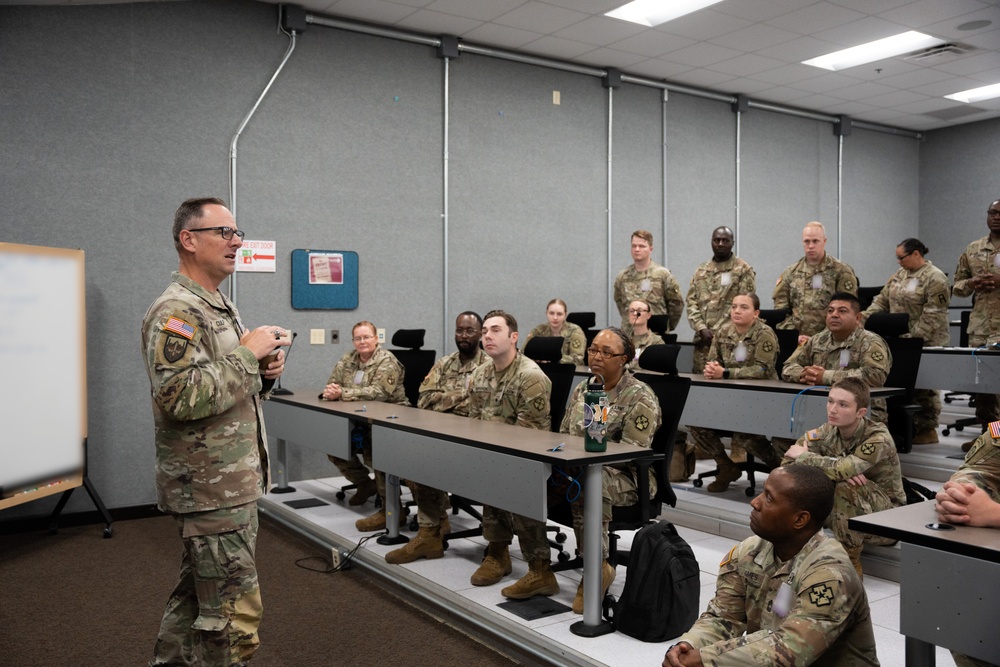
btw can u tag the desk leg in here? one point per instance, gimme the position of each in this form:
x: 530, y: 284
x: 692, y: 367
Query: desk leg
x: 592, y: 625
x: 919, y: 653
x: 392, y: 513
x: 280, y: 468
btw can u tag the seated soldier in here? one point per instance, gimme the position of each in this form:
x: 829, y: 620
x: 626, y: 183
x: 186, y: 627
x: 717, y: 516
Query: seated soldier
x: 639, y: 312
x: 860, y: 456
x: 788, y: 595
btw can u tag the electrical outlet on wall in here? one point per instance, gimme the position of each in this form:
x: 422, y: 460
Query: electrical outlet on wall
x: 334, y: 336
x: 316, y: 337
x: 381, y: 336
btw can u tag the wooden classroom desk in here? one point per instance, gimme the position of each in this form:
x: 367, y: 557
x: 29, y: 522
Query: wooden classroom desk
x: 949, y: 582
x: 497, y: 464
x: 957, y: 369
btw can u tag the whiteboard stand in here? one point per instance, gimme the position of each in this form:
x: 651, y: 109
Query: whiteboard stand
x: 92, y: 492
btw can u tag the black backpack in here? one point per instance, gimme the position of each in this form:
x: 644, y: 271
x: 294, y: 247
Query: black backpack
x: 662, y: 586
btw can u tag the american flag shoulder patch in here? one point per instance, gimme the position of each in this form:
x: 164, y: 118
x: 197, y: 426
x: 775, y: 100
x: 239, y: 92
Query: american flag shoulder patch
x: 179, y: 327
x: 995, y: 429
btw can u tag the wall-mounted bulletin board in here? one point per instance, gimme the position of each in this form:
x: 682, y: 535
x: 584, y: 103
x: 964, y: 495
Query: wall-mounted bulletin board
x: 43, y: 351
x: 324, y: 279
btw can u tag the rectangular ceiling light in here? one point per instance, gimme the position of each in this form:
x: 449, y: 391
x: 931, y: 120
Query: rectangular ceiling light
x: 977, y: 94
x: 654, y: 12
x: 880, y: 49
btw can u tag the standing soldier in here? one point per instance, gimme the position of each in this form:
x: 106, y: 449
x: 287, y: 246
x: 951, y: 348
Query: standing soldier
x: 804, y: 288
x: 648, y: 281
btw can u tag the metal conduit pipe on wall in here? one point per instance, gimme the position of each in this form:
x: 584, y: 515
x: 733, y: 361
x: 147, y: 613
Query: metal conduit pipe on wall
x: 446, y: 101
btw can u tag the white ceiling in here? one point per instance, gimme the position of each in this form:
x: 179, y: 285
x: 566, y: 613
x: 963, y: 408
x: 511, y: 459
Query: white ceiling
x: 738, y: 46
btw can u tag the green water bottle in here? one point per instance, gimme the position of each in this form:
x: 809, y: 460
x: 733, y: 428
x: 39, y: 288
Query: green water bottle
x: 595, y: 416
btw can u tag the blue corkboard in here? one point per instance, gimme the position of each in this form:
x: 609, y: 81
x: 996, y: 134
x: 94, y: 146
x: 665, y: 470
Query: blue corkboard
x: 312, y: 289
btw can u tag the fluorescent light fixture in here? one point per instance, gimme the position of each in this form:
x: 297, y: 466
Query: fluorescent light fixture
x: 880, y: 49
x: 654, y: 12
x: 977, y: 94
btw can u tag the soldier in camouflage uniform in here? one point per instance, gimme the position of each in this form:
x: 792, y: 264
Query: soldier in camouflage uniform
x: 368, y: 373
x: 648, y: 281
x: 843, y: 349
x: 804, y: 288
x: 787, y: 596
x: 511, y: 389
x: 574, y: 340
x: 633, y: 418
x: 639, y: 312
x: 920, y: 290
x: 978, y: 275
x: 972, y: 498
x: 742, y: 348
x: 713, y: 286
x: 859, y: 456
x: 208, y: 374
x: 445, y: 389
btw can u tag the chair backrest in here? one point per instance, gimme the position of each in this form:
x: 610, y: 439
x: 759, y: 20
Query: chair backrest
x: 548, y: 350
x: 773, y: 317
x: 660, y: 358
x: 584, y: 320
x: 658, y: 324
x: 411, y: 339
x: 867, y: 294
x: 888, y: 325
x: 963, y: 331
x: 672, y: 393
x: 788, y: 340
x: 906, y: 354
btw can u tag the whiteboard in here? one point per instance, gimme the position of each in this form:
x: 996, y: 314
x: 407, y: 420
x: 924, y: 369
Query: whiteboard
x: 43, y: 353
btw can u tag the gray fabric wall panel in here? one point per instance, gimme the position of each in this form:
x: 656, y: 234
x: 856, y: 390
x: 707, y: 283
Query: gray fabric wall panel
x: 958, y: 182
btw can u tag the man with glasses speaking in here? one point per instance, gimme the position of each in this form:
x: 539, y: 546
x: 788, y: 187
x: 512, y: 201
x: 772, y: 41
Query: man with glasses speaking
x: 208, y: 374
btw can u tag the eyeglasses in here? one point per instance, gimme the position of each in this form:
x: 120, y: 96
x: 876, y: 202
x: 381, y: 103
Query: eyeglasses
x: 992, y: 212
x: 227, y: 232
x: 900, y: 258
x: 604, y: 353
x: 637, y: 311
x: 362, y: 339
x: 468, y: 332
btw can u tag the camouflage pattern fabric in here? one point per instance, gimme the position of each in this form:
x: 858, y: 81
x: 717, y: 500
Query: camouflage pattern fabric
x: 871, y: 452
x: 519, y: 394
x: 656, y: 286
x: 828, y: 623
x: 805, y: 291
x: 574, y: 341
x: 211, y: 448
x: 445, y: 389
x: 214, y: 611
x: 981, y: 257
x: 633, y: 419
x: 867, y: 356
x: 923, y: 295
x: 710, y: 295
x: 642, y: 341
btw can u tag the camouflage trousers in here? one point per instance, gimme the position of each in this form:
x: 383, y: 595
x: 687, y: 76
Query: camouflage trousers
x: 987, y: 405
x: 700, y: 355
x: 929, y: 401
x: 432, y: 504
x: 213, y: 613
x: 708, y: 441
x: 850, y: 501
x: 501, y: 526
x: 355, y: 469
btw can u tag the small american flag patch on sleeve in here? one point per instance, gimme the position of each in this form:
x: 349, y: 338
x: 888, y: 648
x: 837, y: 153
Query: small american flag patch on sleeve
x: 995, y: 429
x: 179, y: 327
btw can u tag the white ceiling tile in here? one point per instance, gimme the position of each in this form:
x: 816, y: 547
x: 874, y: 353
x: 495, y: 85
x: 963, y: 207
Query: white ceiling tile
x: 842, y: 108
x: 818, y: 103
x: 816, y: 17
x: 928, y: 12
x: 539, y: 17
x: 480, y: 10
x: 436, y: 23
x: 760, y: 10
x: 884, y: 115
x: 858, y: 32
x: 985, y: 40
x: 652, y: 44
x: 755, y: 37
x: 500, y: 35
x: 973, y: 64
x: 918, y: 77
x: 654, y: 68
x: 947, y: 86
x: 895, y: 99
x: 376, y: 11
x: 413, y: 3
x: 870, y: 6
x: 931, y: 104
x: 705, y: 24
x: 799, y: 49
x: 701, y: 54
x: 589, y: 6
x: 826, y: 82
x: 604, y: 57
x: 600, y: 30
x: 861, y: 91
x: 746, y: 65
x: 882, y: 69
x: 703, y: 77
x: 752, y: 87
x: 782, y: 94
x: 557, y: 47
x: 789, y: 74
x: 948, y: 29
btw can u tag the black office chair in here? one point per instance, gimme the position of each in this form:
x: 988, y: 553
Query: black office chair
x: 658, y: 324
x: 586, y: 321
x: 547, y: 351
x: 906, y: 354
x: 788, y: 342
x: 950, y: 396
x: 774, y: 317
x: 867, y: 294
x: 416, y: 362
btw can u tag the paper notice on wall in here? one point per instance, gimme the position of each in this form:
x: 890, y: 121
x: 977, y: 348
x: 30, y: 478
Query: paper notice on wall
x: 326, y: 268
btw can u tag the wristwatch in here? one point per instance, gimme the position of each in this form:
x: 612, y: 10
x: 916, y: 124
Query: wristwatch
x: 725, y: 373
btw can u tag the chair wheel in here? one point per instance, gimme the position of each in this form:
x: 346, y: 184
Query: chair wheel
x: 697, y: 483
x: 563, y: 556
x: 560, y: 537
x: 959, y: 428
x: 413, y: 525
x: 107, y: 532
x: 750, y: 491
x: 341, y: 495
x: 946, y: 431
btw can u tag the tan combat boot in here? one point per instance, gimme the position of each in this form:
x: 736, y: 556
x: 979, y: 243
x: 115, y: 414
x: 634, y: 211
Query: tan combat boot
x: 427, y: 544
x: 728, y: 472
x: 540, y: 580
x: 495, y: 566
x: 371, y: 523
x: 607, y: 578
x: 445, y: 526
x: 926, y: 436
x: 855, y: 555
x: 366, y: 490
x: 737, y: 453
